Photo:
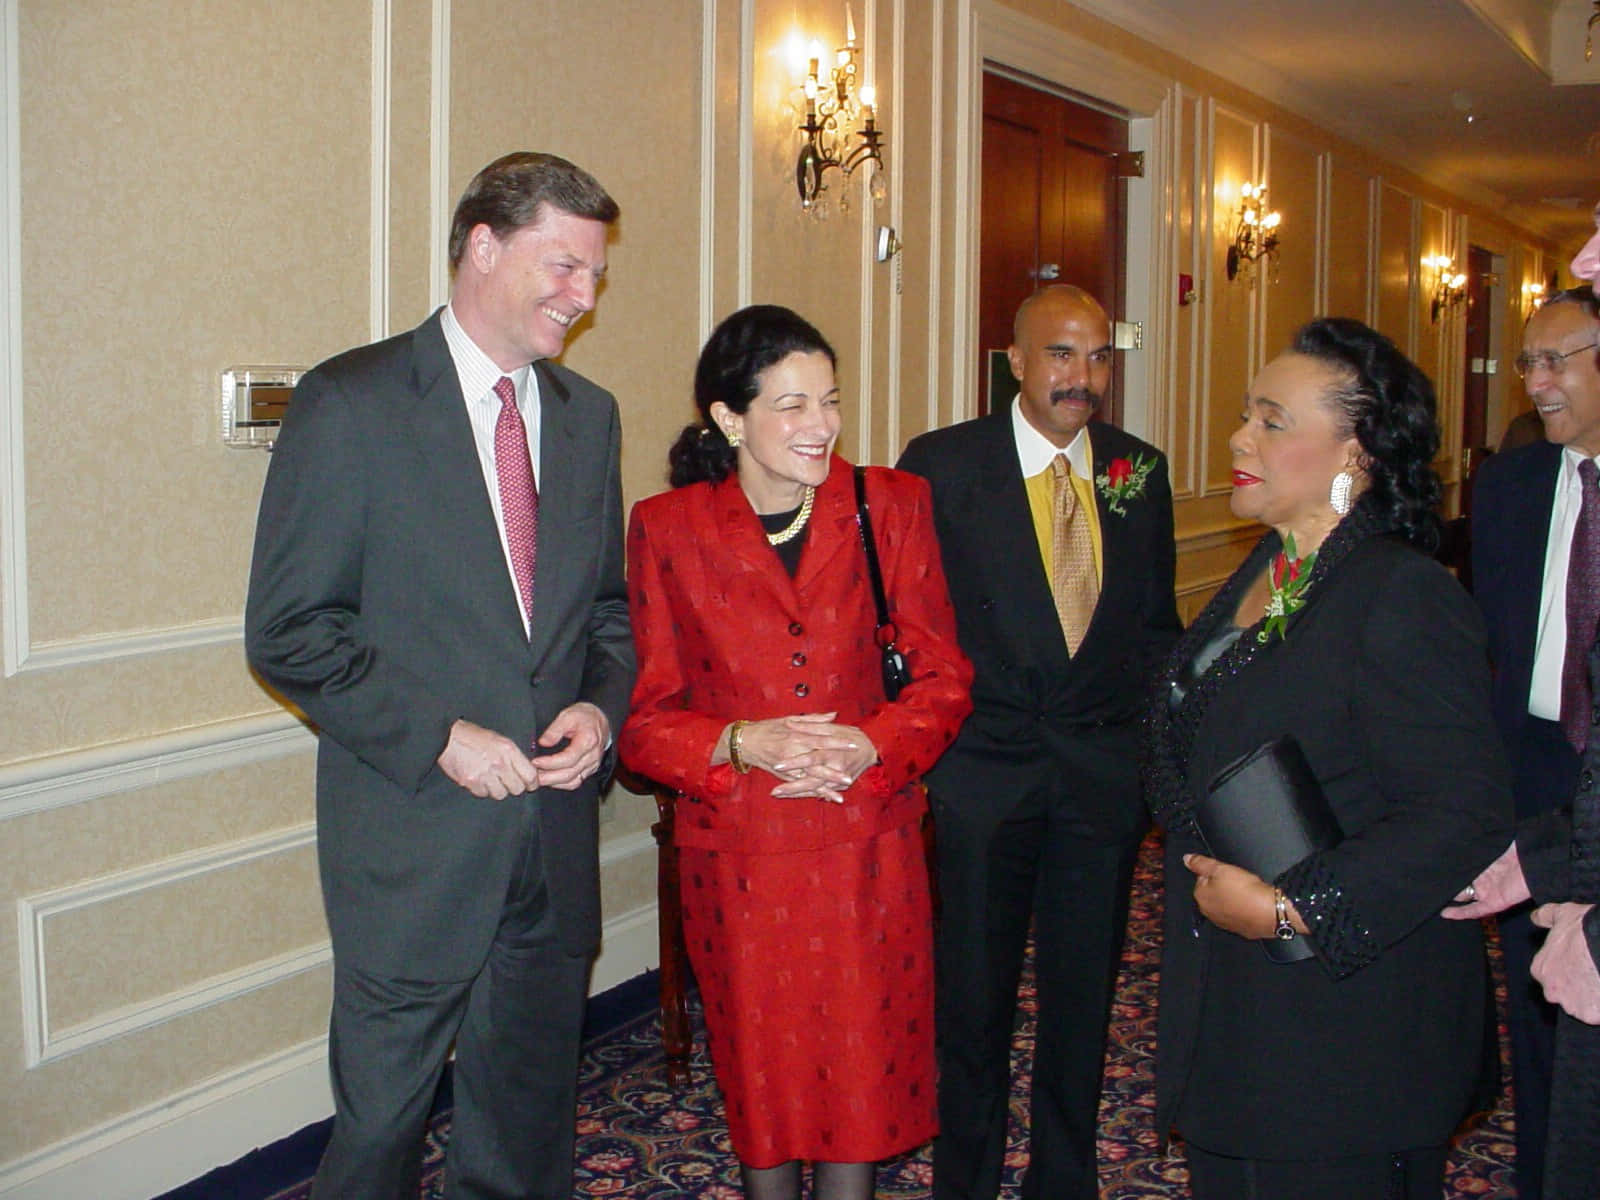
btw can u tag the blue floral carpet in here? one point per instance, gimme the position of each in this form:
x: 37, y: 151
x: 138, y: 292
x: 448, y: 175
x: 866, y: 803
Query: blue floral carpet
x: 642, y: 1139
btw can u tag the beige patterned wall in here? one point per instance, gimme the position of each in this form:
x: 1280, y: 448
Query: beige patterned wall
x: 269, y: 184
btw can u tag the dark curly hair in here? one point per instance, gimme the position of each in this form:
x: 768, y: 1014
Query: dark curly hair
x: 738, y: 350
x: 1388, y: 404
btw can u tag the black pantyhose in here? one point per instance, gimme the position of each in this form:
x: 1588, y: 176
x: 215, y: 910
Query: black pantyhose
x: 833, y: 1181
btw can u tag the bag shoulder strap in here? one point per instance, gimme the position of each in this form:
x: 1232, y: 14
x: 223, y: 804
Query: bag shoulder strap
x: 864, y: 520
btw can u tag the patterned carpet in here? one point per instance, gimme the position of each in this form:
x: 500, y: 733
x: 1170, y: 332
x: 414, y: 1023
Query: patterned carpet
x: 641, y: 1139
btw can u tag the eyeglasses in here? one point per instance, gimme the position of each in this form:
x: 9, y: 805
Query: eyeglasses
x: 1547, y: 360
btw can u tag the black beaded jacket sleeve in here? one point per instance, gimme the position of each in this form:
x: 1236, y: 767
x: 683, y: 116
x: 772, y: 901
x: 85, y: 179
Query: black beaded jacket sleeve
x: 1383, y: 679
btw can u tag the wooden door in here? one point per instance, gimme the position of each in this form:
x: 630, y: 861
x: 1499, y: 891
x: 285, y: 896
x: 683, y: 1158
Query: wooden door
x: 1053, y: 212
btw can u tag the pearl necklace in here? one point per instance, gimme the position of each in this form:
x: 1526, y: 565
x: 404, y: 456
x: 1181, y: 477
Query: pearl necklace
x: 792, y: 530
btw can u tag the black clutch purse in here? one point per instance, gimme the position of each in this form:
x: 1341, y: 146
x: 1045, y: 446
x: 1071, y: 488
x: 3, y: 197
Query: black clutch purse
x: 895, y: 672
x: 1265, y: 812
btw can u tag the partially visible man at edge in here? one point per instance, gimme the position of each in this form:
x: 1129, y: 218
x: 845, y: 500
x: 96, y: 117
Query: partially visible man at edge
x: 437, y: 584
x: 1057, y: 541
x: 1536, y: 575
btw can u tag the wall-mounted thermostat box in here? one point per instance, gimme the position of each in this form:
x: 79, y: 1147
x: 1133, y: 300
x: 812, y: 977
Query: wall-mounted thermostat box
x: 254, y: 400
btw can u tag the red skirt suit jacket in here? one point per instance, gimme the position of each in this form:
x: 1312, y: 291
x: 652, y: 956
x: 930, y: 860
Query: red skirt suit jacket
x: 723, y: 633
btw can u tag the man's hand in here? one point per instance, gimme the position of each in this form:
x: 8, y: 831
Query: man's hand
x: 586, y: 732
x: 485, y: 763
x: 1498, y: 887
x: 1564, y: 967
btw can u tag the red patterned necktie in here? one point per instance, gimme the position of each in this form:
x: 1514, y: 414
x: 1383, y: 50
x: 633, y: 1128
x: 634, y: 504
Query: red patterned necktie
x: 1583, y: 609
x: 519, y: 495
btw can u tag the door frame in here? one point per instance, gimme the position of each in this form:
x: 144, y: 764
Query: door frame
x: 1006, y: 38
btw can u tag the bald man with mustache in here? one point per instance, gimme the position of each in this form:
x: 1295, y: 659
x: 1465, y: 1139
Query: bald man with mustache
x: 1056, y: 533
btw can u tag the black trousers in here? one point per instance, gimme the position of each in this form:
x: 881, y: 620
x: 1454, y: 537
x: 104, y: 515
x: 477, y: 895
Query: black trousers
x: 1545, y: 774
x: 1040, y: 863
x: 1401, y: 1175
x: 516, y: 1026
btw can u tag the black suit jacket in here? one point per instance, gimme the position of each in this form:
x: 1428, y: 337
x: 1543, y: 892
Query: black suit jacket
x: 1040, y: 714
x: 1512, y: 498
x: 1381, y: 678
x: 381, y: 605
x: 1560, y: 856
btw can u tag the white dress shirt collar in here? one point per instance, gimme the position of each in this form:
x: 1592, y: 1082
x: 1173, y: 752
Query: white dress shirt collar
x: 1034, y: 450
x: 475, y: 369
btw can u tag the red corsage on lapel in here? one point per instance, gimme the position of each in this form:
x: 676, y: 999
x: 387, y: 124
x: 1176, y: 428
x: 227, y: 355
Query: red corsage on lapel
x: 1124, y: 480
x: 1290, y: 577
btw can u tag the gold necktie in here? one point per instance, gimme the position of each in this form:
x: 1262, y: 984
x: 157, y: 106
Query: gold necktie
x: 1072, y: 578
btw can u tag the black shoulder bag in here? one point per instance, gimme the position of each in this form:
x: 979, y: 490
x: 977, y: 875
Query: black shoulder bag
x: 895, y: 672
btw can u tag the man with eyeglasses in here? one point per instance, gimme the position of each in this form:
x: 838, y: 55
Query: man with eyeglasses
x: 1536, y: 575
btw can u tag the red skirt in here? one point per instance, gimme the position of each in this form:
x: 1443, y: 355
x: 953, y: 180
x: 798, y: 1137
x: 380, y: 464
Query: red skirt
x: 816, y: 971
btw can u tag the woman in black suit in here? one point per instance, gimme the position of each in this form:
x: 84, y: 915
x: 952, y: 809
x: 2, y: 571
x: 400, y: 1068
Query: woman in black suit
x: 1342, y: 1075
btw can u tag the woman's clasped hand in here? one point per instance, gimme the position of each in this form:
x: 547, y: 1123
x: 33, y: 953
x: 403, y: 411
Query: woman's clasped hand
x: 811, y: 753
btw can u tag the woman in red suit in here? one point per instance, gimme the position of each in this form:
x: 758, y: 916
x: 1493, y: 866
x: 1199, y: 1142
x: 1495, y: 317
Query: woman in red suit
x: 760, y: 698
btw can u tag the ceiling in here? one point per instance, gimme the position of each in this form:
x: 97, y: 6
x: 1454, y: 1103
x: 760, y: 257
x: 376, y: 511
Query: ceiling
x: 1402, y: 77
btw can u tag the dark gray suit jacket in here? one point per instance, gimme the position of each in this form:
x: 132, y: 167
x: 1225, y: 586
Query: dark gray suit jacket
x: 381, y: 606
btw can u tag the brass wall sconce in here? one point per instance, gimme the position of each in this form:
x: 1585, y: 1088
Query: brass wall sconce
x: 1532, y: 296
x: 840, y: 128
x: 1449, y: 285
x: 1255, y: 229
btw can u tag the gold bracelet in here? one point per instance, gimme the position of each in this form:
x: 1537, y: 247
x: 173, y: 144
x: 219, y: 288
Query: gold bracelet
x: 735, y: 759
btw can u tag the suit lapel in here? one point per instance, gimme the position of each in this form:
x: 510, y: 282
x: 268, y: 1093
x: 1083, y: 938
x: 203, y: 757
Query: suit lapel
x: 449, y: 469
x: 1118, y: 546
x: 1116, y: 539
x: 1537, y: 494
x: 561, y: 459
x: 1020, y: 587
x: 834, y: 528
x: 740, y: 532
x: 832, y: 532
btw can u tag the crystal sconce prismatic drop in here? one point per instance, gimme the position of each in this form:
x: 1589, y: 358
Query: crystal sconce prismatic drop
x: 1255, y: 230
x: 839, y: 129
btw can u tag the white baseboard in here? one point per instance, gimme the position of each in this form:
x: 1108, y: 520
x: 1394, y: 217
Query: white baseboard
x: 629, y: 946
x: 180, y: 1138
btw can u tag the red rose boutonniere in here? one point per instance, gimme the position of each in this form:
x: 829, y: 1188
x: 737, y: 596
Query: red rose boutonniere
x: 1124, y: 480
x: 1290, y: 576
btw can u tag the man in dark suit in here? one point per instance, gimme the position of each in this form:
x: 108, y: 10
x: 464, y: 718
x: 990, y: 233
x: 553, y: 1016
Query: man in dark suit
x: 1057, y: 541
x: 437, y: 585
x: 1527, y: 508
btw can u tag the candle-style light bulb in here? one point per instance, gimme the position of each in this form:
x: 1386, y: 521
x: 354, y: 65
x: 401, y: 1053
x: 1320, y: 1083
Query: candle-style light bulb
x: 869, y: 96
x: 849, y: 25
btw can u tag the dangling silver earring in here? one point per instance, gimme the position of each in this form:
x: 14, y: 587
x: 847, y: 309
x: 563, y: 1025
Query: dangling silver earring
x: 1339, y: 493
